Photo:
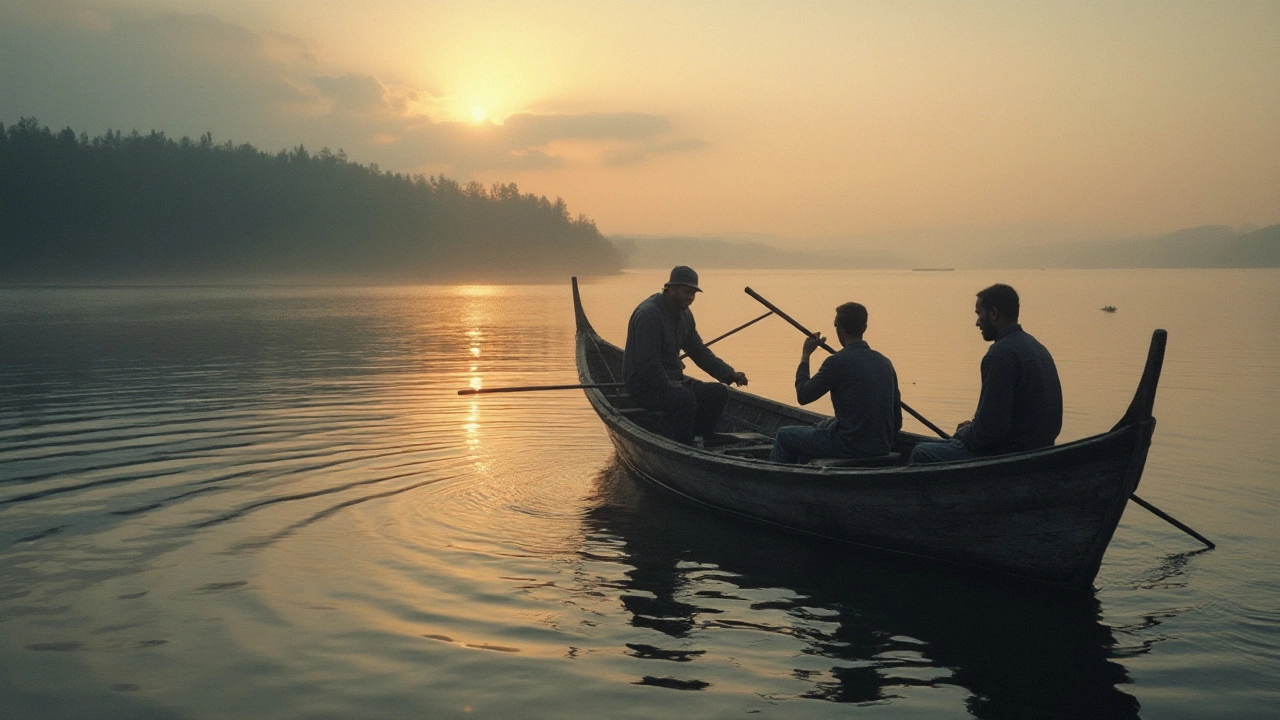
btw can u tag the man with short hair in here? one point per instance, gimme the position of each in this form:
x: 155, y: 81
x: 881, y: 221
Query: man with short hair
x: 864, y: 393
x: 1020, y: 407
x: 660, y: 327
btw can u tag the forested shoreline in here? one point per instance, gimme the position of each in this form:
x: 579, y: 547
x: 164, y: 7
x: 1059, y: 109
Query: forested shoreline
x: 151, y: 208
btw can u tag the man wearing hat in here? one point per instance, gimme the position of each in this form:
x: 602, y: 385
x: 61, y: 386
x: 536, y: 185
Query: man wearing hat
x: 659, y: 329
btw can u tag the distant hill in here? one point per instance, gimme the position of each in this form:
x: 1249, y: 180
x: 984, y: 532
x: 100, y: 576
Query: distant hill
x: 1260, y: 248
x: 659, y: 251
x: 1211, y: 246
x: 139, y: 208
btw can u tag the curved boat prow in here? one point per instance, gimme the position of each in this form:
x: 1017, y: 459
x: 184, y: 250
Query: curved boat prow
x: 1144, y: 399
x: 580, y: 315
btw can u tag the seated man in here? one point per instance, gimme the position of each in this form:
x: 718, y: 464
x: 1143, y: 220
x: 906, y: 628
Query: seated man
x: 659, y: 329
x: 864, y: 392
x: 1020, y: 407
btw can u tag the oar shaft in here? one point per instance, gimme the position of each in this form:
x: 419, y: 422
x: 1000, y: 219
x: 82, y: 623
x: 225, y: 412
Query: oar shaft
x: 824, y: 346
x: 923, y: 421
x: 534, y: 388
x: 1172, y: 520
x: 774, y: 309
x: 743, y: 326
x: 603, y: 386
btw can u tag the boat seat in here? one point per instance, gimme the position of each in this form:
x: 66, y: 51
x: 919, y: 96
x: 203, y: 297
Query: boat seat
x: 758, y: 452
x: 889, y: 460
x: 730, y: 438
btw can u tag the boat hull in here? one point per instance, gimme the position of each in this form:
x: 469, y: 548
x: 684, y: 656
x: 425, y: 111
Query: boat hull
x: 1047, y: 519
x: 1046, y: 515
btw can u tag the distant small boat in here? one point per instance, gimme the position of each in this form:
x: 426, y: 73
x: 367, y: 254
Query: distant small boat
x: 932, y: 269
x: 1108, y: 308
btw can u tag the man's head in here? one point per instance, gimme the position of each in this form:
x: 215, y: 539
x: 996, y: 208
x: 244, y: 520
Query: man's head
x: 997, y: 309
x: 851, y: 321
x: 681, y: 289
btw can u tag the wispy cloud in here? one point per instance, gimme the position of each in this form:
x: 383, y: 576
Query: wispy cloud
x: 71, y: 63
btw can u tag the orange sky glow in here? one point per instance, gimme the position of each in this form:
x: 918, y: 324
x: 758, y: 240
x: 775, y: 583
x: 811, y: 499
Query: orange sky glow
x: 801, y: 119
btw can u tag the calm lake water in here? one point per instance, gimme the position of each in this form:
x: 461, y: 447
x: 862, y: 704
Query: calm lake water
x: 270, y: 502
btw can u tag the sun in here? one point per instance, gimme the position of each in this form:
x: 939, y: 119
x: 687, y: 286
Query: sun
x: 478, y: 114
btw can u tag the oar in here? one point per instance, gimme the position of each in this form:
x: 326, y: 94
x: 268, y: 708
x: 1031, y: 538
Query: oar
x: 532, y: 388
x: 1155, y: 510
x: 773, y: 308
x: 602, y: 386
x: 717, y: 339
x: 1172, y: 521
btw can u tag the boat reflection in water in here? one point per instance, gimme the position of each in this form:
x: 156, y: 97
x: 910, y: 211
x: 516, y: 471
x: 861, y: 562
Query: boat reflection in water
x: 869, y: 630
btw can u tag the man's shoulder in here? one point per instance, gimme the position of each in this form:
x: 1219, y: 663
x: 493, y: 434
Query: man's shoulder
x: 1018, y: 344
x: 648, y: 305
x: 880, y: 356
x: 855, y: 355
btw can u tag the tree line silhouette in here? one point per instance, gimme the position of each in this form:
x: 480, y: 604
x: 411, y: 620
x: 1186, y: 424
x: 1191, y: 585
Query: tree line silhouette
x: 136, y: 207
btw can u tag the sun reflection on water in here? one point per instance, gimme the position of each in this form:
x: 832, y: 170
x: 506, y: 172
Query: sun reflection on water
x: 472, y: 426
x: 478, y: 291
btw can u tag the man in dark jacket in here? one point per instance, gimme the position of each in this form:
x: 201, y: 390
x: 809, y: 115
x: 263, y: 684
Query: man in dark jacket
x: 659, y: 329
x: 864, y: 393
x: 1020, y: 407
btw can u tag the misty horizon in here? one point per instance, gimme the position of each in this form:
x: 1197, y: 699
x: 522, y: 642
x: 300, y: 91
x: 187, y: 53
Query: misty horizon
x: 1213, y: 246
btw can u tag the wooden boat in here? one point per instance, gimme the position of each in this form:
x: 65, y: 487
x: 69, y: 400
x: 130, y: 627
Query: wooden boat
x: 1044, y: 515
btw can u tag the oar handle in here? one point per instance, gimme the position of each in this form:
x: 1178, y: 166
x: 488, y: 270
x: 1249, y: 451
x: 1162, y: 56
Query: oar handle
x: 774, y: 309
x: 942, y: 434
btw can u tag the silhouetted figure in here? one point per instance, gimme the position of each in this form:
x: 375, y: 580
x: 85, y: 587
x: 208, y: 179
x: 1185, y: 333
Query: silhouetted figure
x: 864, y: 393
x: 1020, y: 407
x: 659, y: 329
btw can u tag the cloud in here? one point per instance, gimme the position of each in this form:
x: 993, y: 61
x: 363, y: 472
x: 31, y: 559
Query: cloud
x: 355, y: 95
x: 94, y: 68
x: 529, y: 141
x: 642, y: 152
x: 531, y: 129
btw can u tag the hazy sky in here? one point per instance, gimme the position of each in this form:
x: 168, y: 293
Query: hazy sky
x: 806, y: 119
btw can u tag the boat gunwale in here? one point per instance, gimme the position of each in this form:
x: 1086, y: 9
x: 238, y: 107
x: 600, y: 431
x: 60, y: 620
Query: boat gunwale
x: 614, y: 417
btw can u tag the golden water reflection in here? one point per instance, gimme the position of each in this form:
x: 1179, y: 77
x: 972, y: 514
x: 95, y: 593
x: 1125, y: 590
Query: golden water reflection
x: 239, y: 490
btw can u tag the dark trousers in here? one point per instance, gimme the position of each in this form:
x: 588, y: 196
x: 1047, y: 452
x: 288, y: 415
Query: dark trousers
x: 800, y: 444
x: 694, y: 407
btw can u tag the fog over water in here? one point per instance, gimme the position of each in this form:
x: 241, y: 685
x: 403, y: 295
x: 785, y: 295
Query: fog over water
x: 270, y: 502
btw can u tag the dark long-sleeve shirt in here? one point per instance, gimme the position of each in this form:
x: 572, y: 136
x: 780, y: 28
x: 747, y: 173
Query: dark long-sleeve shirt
x: 1021, y: 403
x: 656, y: 335
x: 864, y: 392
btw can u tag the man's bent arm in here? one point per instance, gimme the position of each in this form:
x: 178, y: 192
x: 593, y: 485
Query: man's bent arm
x: 897, y: 404
x: 810, y: 389
x: 702, y: 356
x: 646, y: 339
x: 994, y: 418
